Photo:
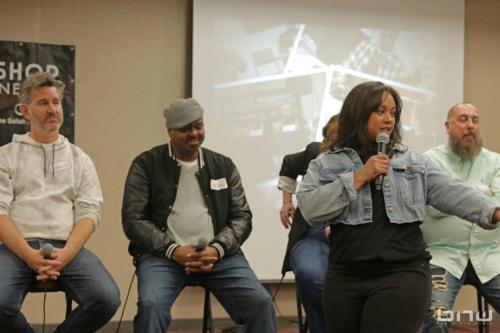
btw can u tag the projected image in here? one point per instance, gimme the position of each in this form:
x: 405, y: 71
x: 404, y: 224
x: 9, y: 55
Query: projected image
x: 279, y: 87
x: 270, y: 80
x: 282, y: 83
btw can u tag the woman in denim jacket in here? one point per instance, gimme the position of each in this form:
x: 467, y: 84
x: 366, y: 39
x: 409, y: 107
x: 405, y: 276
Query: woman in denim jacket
x: 378, y: 276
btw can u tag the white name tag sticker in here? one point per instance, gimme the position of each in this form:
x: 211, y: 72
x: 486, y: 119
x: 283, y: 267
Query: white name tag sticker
x: 218, y: 184
x: 61, y: 165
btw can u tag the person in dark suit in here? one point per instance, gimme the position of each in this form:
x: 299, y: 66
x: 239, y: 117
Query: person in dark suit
x: 307, y: 249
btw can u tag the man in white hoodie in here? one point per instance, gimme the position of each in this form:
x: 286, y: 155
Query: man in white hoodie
x: 50, y: 194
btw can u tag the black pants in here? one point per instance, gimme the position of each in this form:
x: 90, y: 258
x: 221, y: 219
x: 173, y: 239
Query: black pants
x: 390, y: 302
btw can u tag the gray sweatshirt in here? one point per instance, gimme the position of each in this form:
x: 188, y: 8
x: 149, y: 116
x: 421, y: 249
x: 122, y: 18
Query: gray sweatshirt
x: 46, y: 188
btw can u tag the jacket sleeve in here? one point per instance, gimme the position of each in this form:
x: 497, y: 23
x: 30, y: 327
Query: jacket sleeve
x: 494, y: 185
x: 239, y: 225
x: 436, y: 157
x: 321, y: 200
x: 137, y: 225
x: 451, y: 195
x: 295, y: 165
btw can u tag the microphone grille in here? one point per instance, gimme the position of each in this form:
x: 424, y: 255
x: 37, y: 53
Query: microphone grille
x: 47, y: 249
x: 202, y: 242
x: 382, y: 137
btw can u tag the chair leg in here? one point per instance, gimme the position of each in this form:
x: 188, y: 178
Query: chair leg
x: 302, y: 323
x: 482, y: 308
x: 486, y: 308
x: 68, y: 304
x: 208, y: 324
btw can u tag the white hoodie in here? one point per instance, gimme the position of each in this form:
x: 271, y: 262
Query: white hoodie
x: 46, y: 188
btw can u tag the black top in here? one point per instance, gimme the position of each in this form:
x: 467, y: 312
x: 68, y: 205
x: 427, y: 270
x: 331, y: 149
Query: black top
x: 296, y: 164
x: 380, y: 244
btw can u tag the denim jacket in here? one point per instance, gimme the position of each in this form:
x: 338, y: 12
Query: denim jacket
x: 327, y: 194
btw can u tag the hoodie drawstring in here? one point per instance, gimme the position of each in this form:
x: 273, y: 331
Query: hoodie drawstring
x: 53, y: 160
x: 45, y: 161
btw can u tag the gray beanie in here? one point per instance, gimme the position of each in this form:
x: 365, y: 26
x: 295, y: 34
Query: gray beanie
x: 182, y: 112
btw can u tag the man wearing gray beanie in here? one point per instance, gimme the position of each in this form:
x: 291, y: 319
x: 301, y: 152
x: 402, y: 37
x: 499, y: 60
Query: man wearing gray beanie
x: 186, y: 215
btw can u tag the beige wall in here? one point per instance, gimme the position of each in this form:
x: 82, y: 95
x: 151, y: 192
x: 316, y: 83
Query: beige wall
x: 482, y: 71
x: 132, y: 59
x: 482, y: 65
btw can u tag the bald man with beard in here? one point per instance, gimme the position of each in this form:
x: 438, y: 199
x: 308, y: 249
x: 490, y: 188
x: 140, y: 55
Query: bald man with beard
x: 462, y: 251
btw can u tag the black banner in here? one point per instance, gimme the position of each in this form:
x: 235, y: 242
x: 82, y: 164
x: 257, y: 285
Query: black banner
x: 17, y: 61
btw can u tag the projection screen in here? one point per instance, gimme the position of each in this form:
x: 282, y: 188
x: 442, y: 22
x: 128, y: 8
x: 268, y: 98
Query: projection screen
x: 269, y: 74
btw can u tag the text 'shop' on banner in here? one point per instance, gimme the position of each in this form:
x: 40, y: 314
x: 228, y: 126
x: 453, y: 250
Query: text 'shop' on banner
x: 17, y: 61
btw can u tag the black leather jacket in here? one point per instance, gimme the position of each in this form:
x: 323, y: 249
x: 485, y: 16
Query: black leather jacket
x: 150, y: 192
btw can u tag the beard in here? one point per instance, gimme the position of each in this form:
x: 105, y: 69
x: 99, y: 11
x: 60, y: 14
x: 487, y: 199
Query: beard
x: 463, y: 150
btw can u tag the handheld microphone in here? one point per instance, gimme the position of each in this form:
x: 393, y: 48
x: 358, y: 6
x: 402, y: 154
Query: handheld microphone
x: 202, y: 244
x: 47, y: 249
x: 382, y: 141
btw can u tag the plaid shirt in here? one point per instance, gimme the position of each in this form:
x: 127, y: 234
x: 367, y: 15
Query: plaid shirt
x: 369, y: 59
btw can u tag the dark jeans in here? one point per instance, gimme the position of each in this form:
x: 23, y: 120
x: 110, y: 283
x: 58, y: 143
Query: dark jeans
x: 86, y: 280
x: 231, y: 280
x: 309, y: 260
x: 393, y: 302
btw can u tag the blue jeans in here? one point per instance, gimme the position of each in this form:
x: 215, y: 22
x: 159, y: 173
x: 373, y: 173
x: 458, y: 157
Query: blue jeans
x: 86, y: 280
x: 309, y: 261
x: 231, y: 280
x: 445, y: 288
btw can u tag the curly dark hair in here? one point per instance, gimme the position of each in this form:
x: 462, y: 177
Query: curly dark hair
x: 327, y: 142
x: 361, y: 101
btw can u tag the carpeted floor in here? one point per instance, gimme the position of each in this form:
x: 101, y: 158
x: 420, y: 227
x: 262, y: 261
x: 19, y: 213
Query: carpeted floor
x: 285, y: 325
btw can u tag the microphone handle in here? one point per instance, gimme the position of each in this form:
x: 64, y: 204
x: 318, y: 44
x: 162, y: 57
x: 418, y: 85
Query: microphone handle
x: 201, y: 245
x: 380, y: 178
x: 381, y: 149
